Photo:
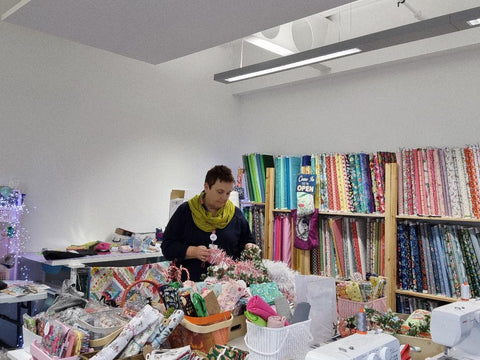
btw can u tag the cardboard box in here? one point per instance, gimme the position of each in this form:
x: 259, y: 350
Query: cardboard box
x: 426, y: 346
x: 238, y: 327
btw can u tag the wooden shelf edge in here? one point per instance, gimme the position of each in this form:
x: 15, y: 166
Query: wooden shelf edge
x: 341, y: 213
x: 336, y: 213
x: 282, y: 210
x: 438, y: 218
x: 425, y: 296
x: 245, y: 203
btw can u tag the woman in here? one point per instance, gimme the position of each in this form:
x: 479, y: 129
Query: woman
x: 207, y: 220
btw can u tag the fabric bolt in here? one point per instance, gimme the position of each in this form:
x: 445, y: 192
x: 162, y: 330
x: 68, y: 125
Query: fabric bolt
x: 315, y: 259
x: 257, y: 225
x: 328, y: 250
x: 136, y: 344
x: 453, y: 187
x: 438, y: 182
x: 435, y: 289
x: 472, y: 181
x: 411, y: 191
x: 232, y: 291
x: 423, y: 239
x: 416, y: 262
x: 172, y: 322
x: 380, y: 183
x: 267, y: 291
x: 374, y: 171
x: 277, y: 237
x: 427, y: 184
x: 324, y: 183
x: 279, y: 187
x: 199, y: 304
x: 276, y: 321
x: 457, y: 252
x: 286, y: 240
x: 476, y: 153
x: 422, y: 260
x: 186, y: 302
x: 367, y: 183
x: 473, y: 262
x: 432, y: 183
x: 401, y: 181
x: 356, y: 247
x: 328, y: 164
x: 257, y: 306
x: 418, y: 182
x: 144, y: 318
x: 406, y: 186
x: 339, y: 169
x: 445, y: 183
x: 446, y: 290
x: 360, y: 180
x: 450, y: 261
x: 402, y: 254
x: 256, y: 319
x: 295, y: 163
x: 474, y: 236
x: 465, y: 199
x: 354, y: 184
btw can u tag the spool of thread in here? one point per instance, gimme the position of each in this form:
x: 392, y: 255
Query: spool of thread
x: 465, y: 292
x: 361, y: 322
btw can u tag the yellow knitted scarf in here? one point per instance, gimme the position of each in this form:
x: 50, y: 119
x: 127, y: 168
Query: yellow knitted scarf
x: 204, y: 219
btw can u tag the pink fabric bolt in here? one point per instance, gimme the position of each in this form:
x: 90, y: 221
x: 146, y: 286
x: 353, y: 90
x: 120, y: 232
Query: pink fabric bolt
x: 276, y: 321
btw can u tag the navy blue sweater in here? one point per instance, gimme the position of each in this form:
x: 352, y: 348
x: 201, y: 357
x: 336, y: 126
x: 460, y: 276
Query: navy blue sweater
x: 181, y: 232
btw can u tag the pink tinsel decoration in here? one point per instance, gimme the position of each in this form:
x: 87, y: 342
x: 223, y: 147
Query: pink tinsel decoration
x: 219, y: 256
x: 221, y: 260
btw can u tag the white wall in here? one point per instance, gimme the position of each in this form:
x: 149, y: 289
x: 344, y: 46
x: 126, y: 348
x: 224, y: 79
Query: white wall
x: 431, y: 101
x: 97, y: 141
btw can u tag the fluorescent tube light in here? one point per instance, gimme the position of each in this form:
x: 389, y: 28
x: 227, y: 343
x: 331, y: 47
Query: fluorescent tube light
x: 474, y: 22
x: 294, y: 65
x: 419, y: 30
x: 268, y: 45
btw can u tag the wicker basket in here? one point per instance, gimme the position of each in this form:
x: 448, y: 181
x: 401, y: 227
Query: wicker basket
x: 202, y: 337
x: 288, y: 342
x: 348, y: 308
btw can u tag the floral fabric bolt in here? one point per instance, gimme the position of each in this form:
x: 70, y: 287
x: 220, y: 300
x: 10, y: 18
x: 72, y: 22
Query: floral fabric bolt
x: 138, y: 324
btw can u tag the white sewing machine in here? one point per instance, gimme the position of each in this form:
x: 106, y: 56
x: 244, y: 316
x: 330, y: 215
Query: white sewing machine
x: 457, y: 326
x: 370, y: 346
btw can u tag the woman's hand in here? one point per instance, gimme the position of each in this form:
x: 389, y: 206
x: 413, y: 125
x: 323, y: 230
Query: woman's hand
x: 198, y: 252
x: 250, y: 246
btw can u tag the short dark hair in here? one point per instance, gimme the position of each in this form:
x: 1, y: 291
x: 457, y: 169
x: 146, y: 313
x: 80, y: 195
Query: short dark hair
x: 219, y: 172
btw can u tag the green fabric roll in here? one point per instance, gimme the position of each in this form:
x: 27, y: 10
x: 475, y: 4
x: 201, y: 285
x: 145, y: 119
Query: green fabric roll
x: 257, y: 320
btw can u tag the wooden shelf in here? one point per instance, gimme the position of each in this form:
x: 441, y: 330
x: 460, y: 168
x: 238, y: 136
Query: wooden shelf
x: 425, y: 296
x: 442, y: 219
x: 251, y: 203
x: 344, y: 213
x: 282, y: 210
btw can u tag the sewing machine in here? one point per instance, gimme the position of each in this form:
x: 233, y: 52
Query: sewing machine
x: 370, y: 346
x: 457, y: 327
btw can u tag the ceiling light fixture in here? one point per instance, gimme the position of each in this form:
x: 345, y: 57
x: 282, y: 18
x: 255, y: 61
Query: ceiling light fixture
x: 424, y: 29
x: 293, y: 65
x: 268, y: 45
x: 474, y: 22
